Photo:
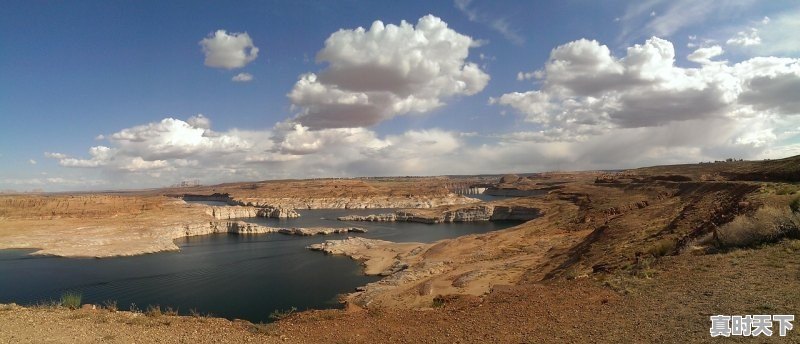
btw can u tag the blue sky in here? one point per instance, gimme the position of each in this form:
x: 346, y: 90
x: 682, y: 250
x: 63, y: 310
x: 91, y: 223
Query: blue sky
x: 128, y: 76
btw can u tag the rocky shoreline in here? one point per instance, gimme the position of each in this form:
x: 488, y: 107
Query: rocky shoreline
x: 364, y: 202
x: 483, y: 212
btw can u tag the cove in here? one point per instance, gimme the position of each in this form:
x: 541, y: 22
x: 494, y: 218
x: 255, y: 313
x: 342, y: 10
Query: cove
x: 232, y: 276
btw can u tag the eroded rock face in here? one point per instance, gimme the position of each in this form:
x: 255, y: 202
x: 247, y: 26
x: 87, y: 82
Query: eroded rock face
x: 365, y: 202
x: 320, y: 230
x: 277, y: 212
x: 241, y: 227
x: 232, y: 212
x: 474, y: 213
x: 235, y: 212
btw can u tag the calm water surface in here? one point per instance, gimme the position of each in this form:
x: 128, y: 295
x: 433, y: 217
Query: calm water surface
x: 233, y: 276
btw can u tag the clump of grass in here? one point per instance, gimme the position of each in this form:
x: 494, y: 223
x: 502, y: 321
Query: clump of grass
x: 795, y: 205
x: 49, y: 304
x: 170, y: 311
x: 71, y: 300
x: 110, y: 305
x: 793, y: 245
x: 786, y: 190
x: 769, y: 224
x: 661, y: 248
x: 643, y: 268
x: 282, y: 314
x: 134, y: 309
x: 153, y: 311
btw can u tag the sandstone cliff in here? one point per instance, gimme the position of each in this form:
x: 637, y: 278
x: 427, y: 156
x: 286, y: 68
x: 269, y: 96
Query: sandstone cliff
x: 234, y: 212
x: 363, y: 202
x: 482, y: 212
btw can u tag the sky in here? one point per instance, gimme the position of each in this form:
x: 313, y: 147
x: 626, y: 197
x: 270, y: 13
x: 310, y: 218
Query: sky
x: 101, y: 95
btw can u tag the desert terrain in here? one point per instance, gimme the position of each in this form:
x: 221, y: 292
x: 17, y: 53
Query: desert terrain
x: 641, y: 255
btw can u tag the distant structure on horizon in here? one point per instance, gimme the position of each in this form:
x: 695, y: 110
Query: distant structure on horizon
x: 186, y: 184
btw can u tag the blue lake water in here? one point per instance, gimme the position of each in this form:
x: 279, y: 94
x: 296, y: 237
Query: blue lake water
x: 232, y: 276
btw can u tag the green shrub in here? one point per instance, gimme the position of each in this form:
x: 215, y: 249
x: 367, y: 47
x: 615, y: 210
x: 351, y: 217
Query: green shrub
x: 71, y: 300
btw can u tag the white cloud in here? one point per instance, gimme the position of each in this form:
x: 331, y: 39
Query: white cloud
x: 55, y: 155
x: 586, y: 94
x: 242, y: 77
x: 745, y: 38
x: 228, y: 51
x: 165, y: 145
x: 32, y: 162
x: 388, y: 70
x: 704, y: 55
x: 199, y: 121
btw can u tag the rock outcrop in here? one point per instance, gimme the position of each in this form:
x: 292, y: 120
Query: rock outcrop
x: 320, y: 230
x: 364, y: 202
x: 474, y: 213
x: 241, y: 227
x: 235, y: 212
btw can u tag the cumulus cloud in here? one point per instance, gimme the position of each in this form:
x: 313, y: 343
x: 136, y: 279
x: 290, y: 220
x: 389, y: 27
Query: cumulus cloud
x: 164, y: 145
x: 229, y: 51
x: 587, y: 93
x: 387, y: 70
x: 242, y: 77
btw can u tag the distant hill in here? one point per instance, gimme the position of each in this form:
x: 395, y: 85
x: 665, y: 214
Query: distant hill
x: 780, y: 170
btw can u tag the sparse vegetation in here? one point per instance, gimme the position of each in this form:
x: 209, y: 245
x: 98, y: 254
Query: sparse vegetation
x: 786, y: 190
x: 134, y: 309
x: 153, y: 311
x: 643, y: 268
x: 769, y: 224
x: 795, y: 205
x: 110, y: 305
x: 170, y: 311
x: 71, y: 300
x: 661, y: 248
x: 282, y: 314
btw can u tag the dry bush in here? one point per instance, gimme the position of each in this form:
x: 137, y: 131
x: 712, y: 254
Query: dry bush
x: 662, y: 248
x: 769, y: 224
x: 153, y: 311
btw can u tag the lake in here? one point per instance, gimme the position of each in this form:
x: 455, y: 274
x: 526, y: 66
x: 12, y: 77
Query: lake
x: 227, y: 275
